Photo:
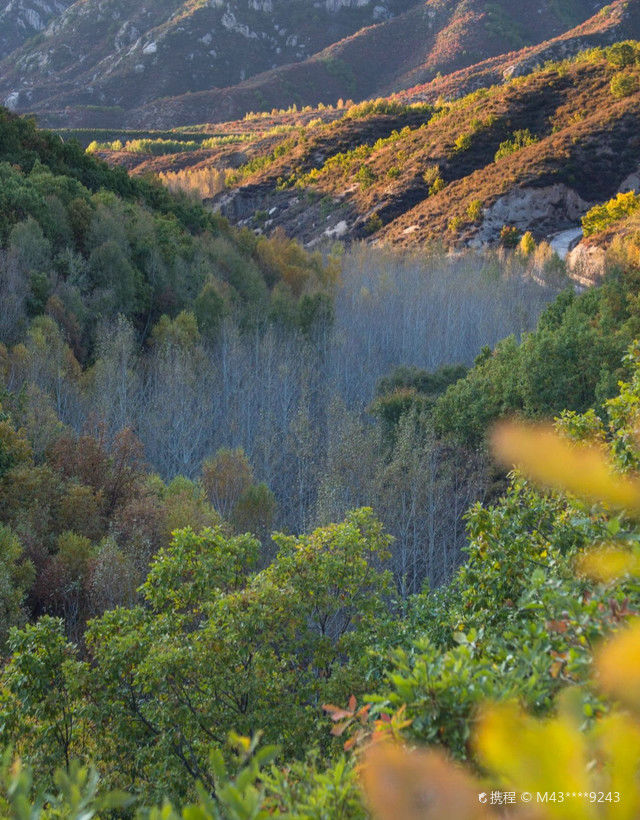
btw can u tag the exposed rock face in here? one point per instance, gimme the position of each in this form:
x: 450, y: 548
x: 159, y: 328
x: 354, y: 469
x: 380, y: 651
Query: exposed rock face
x: 586, y: 260
x: 22, y: 19
x: 336, y: 5
x: 586, y: 264
x: 565, y: 241
x: 632, y: 182
x: 541, y: 210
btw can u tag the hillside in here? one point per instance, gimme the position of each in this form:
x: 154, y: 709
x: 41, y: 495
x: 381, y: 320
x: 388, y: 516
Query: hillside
x: 214, y: 62
x: 111, y: 57
x: 87, y: 243
x: 440, y: 37
x: 408, y: 174
x: 617, y: 21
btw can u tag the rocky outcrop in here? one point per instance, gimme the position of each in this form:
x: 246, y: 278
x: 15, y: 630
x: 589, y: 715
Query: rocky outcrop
x: 631, y: 182
x: 540, y: 210
x: 586, y: 264
x: 336, y: 5
x: 22, y: 19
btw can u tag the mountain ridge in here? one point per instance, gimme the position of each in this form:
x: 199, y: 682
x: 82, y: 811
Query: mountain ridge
x: 101, y: 53
x: 441, y: 35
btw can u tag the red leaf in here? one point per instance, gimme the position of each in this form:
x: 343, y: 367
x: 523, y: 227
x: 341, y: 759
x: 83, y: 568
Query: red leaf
x: 329, y: 707
x: 557, y: 626
x: 555, y: 668
x: 339, y: 728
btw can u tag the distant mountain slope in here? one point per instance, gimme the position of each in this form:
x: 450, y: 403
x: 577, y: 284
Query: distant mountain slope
x: 533, y: 154
x: 112, y: 54
x: 207, y: 58
x: 22, y: 19
x: 618, y: 21
x: 438, y: 35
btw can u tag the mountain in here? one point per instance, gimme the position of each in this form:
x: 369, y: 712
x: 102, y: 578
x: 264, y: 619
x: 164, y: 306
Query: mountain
x: 169, y: 62
x: 113, y: 55
x: 613, y: 23
x: 21, y: 20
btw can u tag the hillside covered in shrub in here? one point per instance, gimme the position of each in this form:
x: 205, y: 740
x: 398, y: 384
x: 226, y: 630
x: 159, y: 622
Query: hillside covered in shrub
x: 534, y: 153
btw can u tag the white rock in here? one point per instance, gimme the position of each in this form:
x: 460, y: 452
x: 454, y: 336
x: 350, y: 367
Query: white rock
x: 531, y: 209
x: 339, y: 230
x: 565, y: 241
x: 33, y: 18
x: 586, y: 264
x: 336, y: 5
x: 11, y: 101
x: 631, y: 183
x: 150, y: 48
x: 231, y: 24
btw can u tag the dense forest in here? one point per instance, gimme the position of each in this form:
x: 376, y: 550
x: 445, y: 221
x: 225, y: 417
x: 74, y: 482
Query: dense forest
x: 250, y: 520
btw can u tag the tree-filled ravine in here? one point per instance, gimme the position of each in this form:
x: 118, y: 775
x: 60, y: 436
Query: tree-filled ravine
x: 249, y: 514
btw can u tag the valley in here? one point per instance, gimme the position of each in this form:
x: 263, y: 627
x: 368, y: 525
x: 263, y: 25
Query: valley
x: 319, y: 390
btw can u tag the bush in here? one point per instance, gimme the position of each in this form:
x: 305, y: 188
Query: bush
x: 520, y: 139
x: 384, y: 106
x: 438, y: 185
x: 509, y: 236
x: 624, y: 84
x: 462, y: 143
x: 475, y: 210
x: 433, y: 179
x: 603, y: 216
x: 431, y: 174
x: 373, y: 224
x: 455, y: 224
x: 527, y: 244
x: 365, y: 176
x: 623, y: 55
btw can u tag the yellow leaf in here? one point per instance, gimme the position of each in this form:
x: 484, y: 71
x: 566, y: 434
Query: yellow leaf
x: 618, y: 665
x: 547, y: 458
x: 531, y: 755
x: 418, y: 785
x: 620, y: 748
x: 607, y: 563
